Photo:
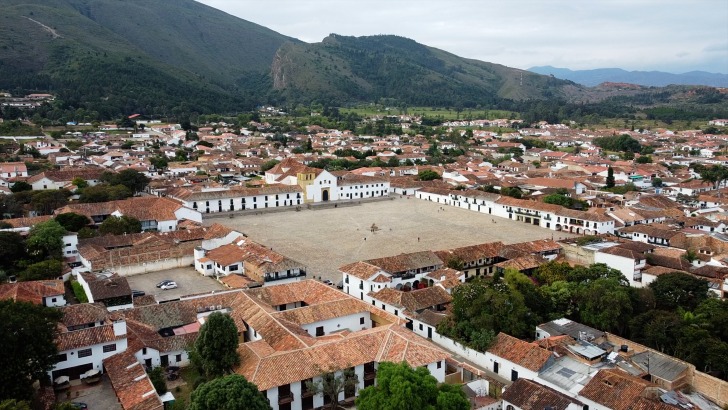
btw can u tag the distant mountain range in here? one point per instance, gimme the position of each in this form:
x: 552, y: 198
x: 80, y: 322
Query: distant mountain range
x: 167, y: 57
x: 591, y: 78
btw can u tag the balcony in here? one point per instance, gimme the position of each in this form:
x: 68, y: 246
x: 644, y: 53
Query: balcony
x: 285, y: 398
x: 273, y: 278
x: 526, y: 212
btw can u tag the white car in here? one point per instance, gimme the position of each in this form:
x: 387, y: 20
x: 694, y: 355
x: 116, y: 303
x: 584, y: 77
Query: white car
x: 169, y: 285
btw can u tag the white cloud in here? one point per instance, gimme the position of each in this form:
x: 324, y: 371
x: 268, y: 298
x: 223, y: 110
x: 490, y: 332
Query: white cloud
x: 667, y: 35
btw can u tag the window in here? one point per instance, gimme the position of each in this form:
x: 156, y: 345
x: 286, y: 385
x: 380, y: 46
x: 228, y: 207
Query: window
x: 53, y: 300
x: 320, y: 331
x: 84, y: 353
x: 144, y: 350
x: 61, y: 357
x: 420, y: 326
x: 178, y: 358
x: 439, y: 365
x: 361, y: 320
x: 109, y: 348
x: 396, y: 312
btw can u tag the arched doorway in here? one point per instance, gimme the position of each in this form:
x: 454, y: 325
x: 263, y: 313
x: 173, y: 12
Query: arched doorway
x: 325, y: 195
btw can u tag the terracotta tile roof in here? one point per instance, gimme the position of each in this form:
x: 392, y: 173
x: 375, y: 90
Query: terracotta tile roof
x: 143, y: 208
x: 131, y: 383
x: 615, y: 389
x: 84, y: 313
x: 27, y: 222
x: 361, y: 270
x: 85, y: 337
x: 524, y: 354
x: 68, y: 174
x: 413, y: 301
x: 406, y: 261
x: 528, y: 395
x: 107, y: 287
x: 268, y: 368
x: 323, y: 311
x: 522, y: 263
x: 251, y: 253
x: 471, y: 253
x: 32, y: 291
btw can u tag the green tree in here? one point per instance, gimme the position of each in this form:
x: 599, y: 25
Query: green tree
x: 513, y: 192
x: 119, y: 225
x: 428, y: 175
x: 46, y: 201
x: 232, y: 392
x: 158, y: 379
x: 716, y: 174
x: 332, y: 383
x: 269, y: 164
x: 21, y: 186
x: 400, y: 387
x: 27, y: 333
x: 12, y: 250
x: 552, y: 271
x: 215, y: 350
x: 48, y: 269
x: 45, y: 240
x: 610, y: 178
x: 644, y: 159
x: 657, y: 182
x: 12, y: 404
x: 605, y: 304
x: 72, y: 222
x: 679, y: 290
x: 79, y: 182
x: 130, y: 178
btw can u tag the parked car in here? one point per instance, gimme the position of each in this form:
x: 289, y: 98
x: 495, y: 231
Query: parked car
x: 164, y: 282
x: 328, y: 282
x: 169, y: 285
x: 79, y: 405
x: 340, y: 285
x: 137, y: 293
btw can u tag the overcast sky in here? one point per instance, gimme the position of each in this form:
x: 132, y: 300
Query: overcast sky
x: 665, y: 35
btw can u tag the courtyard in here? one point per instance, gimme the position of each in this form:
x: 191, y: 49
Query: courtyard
x: 325, y: 239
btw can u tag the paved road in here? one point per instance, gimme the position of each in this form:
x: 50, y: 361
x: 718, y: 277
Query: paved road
x: 325, y: 239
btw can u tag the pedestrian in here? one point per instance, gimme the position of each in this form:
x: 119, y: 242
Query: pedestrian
x: 418, y: 239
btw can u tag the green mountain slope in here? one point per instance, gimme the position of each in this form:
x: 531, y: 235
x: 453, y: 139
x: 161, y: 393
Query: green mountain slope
x: 370, y: 68
x: 135, y: 55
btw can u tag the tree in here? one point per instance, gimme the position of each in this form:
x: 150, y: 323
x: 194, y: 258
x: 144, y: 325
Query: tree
x: 610, y: 178
x: 158, y: 379
x: 644, y: 159
x: 105, y: 193
x: 605, y: 304
x: 269, y: 164
x: 130, y: 178
x: 72, y: 222
x: 657, y: 182
x: 679, y: 290
x: 119, y: 225
x: 332, y: 383
x: 12, y: 404
x: 215, y: 350
x: 46, y: 201
x: 27, y: 333
x: 428, y: 175
x: 513, y: 192
x: 79, y: 182
x: 232, y: 392
x: 12, y: 249
x: 21, y: 186
x: 716, y: 174
x: 400, y: 387
x: 46, y: 240
x: 48, y: 269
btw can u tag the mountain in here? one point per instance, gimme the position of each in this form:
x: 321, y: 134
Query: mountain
x: 140, y: 54
x: 595, y: 77
x: 370, y: 68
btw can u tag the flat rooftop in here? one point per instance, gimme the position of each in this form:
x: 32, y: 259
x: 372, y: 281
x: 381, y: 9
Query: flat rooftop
x: 325, y: 239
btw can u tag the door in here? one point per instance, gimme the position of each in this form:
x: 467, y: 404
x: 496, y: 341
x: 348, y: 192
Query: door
x: 429, y: 332
x: 165, y: 360
x: 325, y: 195
x: 495, y: 367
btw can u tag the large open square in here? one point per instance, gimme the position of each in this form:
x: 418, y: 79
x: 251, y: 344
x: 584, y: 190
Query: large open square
x: 324, y: 239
